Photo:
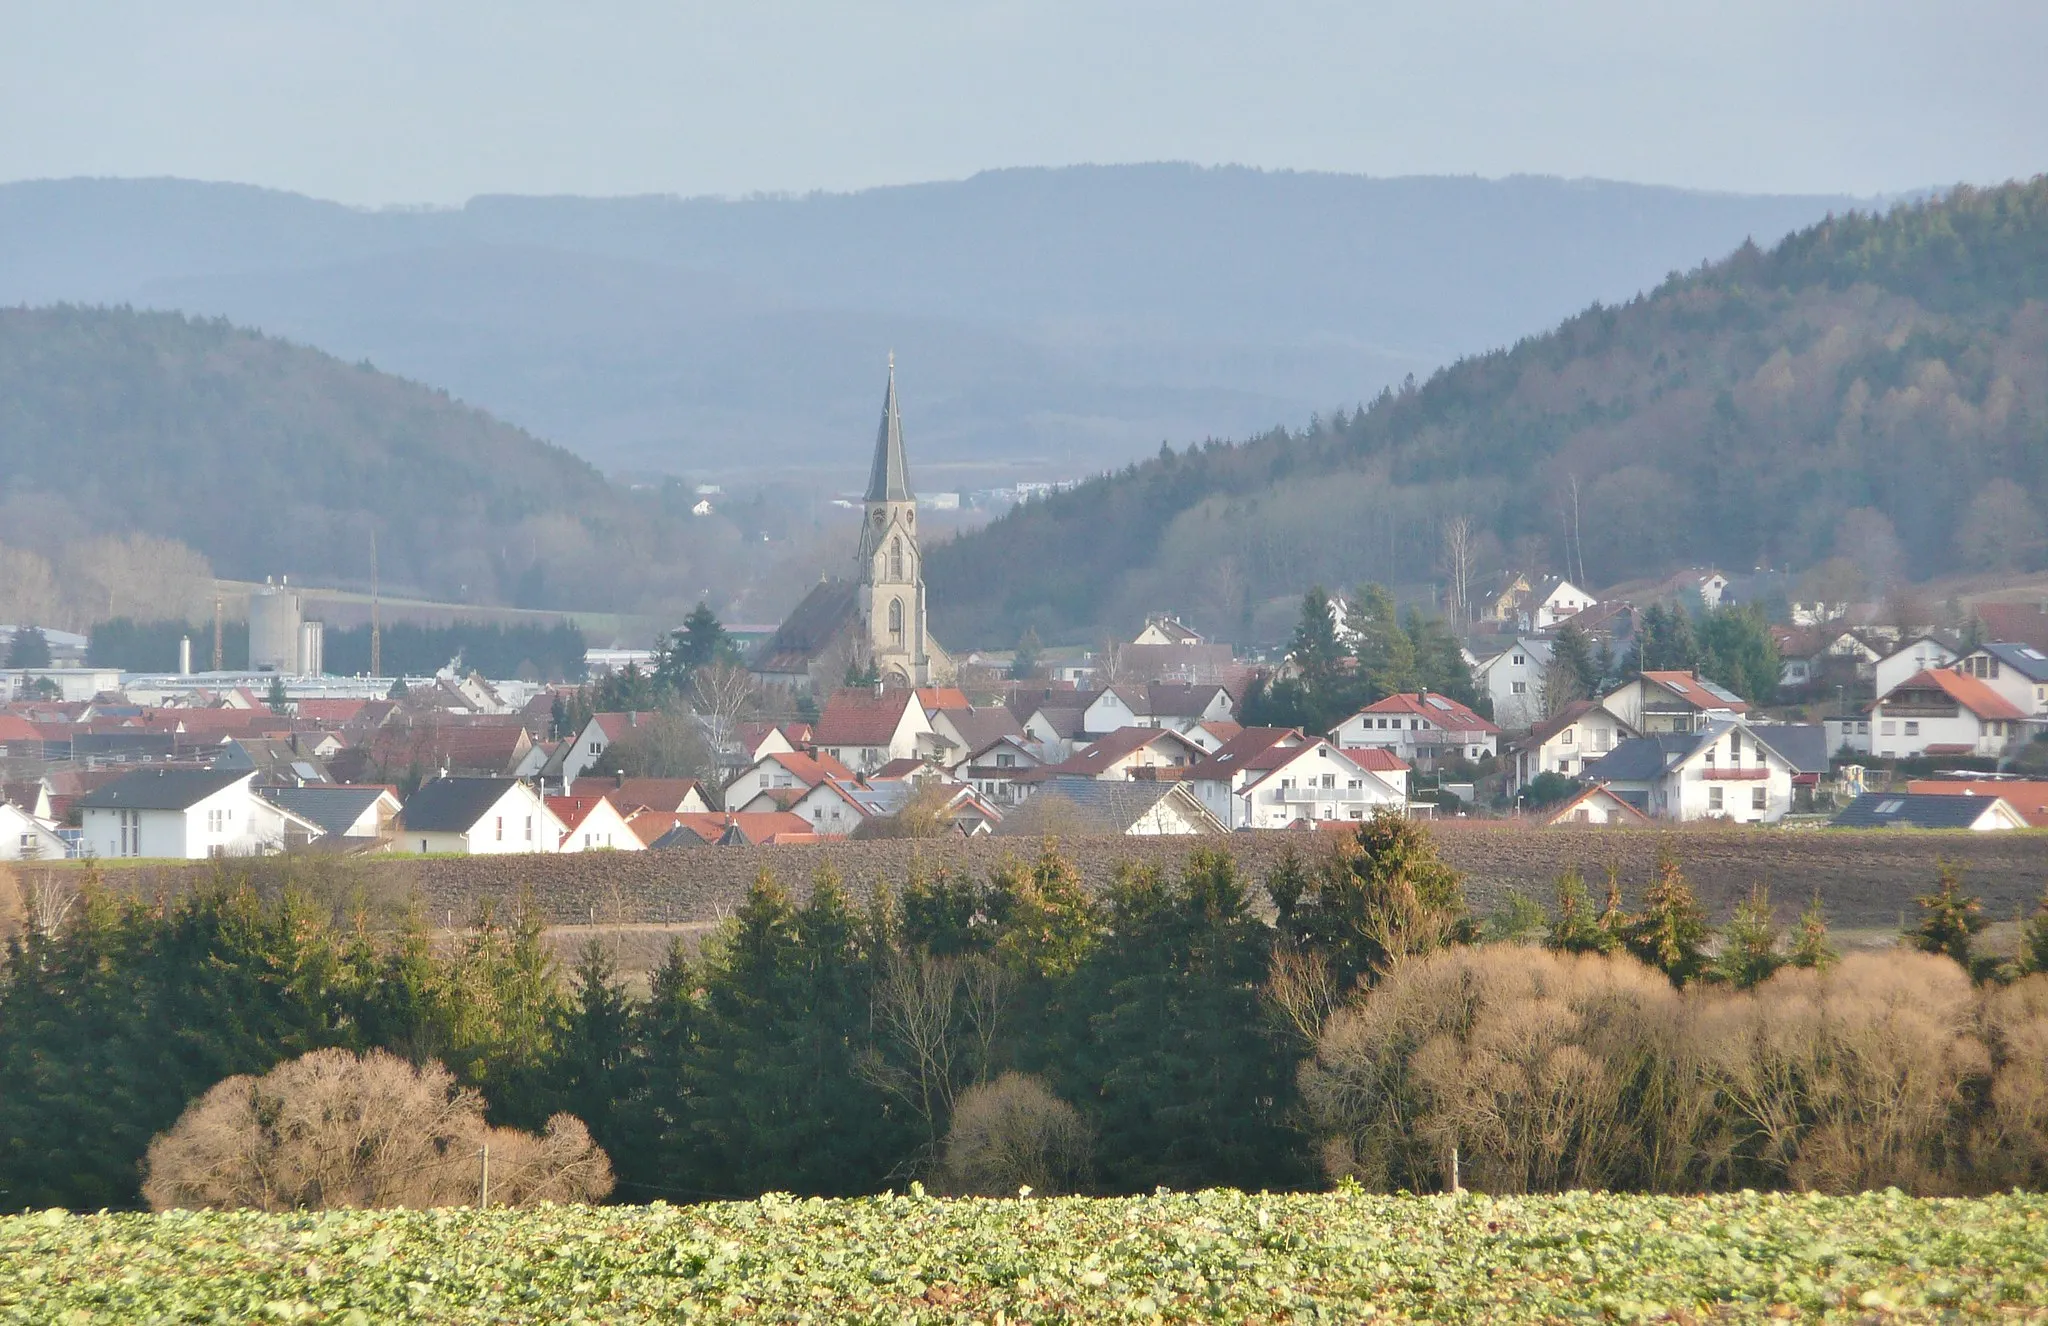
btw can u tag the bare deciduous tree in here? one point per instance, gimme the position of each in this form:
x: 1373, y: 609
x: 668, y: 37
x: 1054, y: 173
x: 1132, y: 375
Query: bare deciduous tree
x: 1458, y: 567
x: 724, y: 695
x: 331, y: 1129
x: 1012, y: 1136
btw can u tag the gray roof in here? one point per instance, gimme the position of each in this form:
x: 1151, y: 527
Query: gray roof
x: 1911, y: 810
x: 162, y: 789
x: 810, y: 628
x: 1089, y: 805
x: 1642, y: 758
x: 889, y: 480
x: 453, y: 805
x: 334, y: 808
x: 2026, y: 660
x: 1804, y: 746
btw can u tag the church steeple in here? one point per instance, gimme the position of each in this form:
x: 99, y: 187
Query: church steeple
x: 889, y: 479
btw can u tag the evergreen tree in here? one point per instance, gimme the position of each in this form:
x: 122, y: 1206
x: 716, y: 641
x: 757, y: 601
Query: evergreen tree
x: 1024, y: 666
x: 1576, y: 929
x: 1440, y: 660
x: 1613, y: 916
x: 1949, y: 918
x: 1749, y: 947
x: 1736, y: 651
x: 702, y: 641
x: 2033, y: 956
x: 1664, y: 641
x: 1383, y: 893
x: 277, y: 700
x: 597, y: 1070
x: 1190, y: 1090
x: 30, y: 648
x: 1671, y: 932
x: 1574, y: 675
x: 1387, y: 663
x: 1810, y: 947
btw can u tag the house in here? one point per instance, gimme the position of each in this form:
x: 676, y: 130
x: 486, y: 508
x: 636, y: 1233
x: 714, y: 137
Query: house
x: 1131, y: 752
x: 1161, y: 629
x: 1656, y: 702
x: 864, y: 728
x: 1584, y: 731
x: 1130, y: 808
x: 1553, y: 602
x: 1056, y: 730
x: 1596, y: 805
x: 962, y: 732
x: 1419, y: 728
x: 186, y: 813
x: 1500, y: 598
x: 349, y: 814
x: 735, y: 830
x: 1513, y: 680
x: 599, y: 735
x: 1939, y: 712
x: 831, y: 808
x: 1725, y: 771
x: 670, y: 794
x: 279, y: 760
x: 993, y: 770
x: 1908, y: 659
x: 477, y: 817
x: 2019, y: 623
x: 2018, y: 672
x: 1274, y: 777
x: 755, y: 740
x: 1908, y: 810
x: 776, y: 781
x: 23, y: 837
x: 2028, y: 797
x: 593, y: 824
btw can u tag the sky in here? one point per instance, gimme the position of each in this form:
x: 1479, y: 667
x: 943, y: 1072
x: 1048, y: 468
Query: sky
x: 379, y: 102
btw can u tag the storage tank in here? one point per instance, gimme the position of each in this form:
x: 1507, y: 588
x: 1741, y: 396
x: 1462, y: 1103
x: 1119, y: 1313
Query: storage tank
x: 312, y: 649
x: 274, y: 617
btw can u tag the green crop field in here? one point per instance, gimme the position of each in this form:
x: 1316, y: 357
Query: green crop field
x: 1218, y: 1256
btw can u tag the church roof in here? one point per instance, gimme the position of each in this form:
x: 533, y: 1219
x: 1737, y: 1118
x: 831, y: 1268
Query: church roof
x: 889, y: 480
x: 810, y: 628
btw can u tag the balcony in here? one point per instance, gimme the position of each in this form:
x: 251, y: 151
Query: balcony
x: 1350, y: 796
x: 1753, y: 773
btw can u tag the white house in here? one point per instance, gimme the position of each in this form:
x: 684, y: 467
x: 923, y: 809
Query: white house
x: 598, y: 735
x: 1657, y: 702
x: 781, y: 778
x: 1419, y: 728
x: 1125, y: 753
x: 994, y: 770
x: 477, y: 817
x: 1910, y: 658
x: 1555, y: 600
x: 865, y: 729
x: 1161, y: 629
x: 1132, y: 808
x: 1725, y: 771
x: 1272, y: 777
x: 1584, y: 731
x: 349, y: 814
x: 1938, y: 712
x: 188, y: 814
x: 593, y: 824
x: 2017, y: 672
x: 1596, y: 805
x: 1513, y: 680
x: 23, y: 837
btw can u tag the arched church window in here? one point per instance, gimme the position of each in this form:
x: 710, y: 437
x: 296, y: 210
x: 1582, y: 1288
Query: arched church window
x: 896, y: 559
x: 895, y: 621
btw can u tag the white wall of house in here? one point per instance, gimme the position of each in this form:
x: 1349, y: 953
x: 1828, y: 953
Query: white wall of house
x: 1912, y: 657
x: 827, y: 811
x: 1567, y: 750
x: 768, y: 773
x: 1513, y: 680
x: 1106, y: 713
x: 233, y: 821
x: 1566, y: 600
x: 2027, y: 695
x: 25, y: 838
x: 1319, y: 783
x: 1743, y: 781
x: 1898, y: 736
x: 903, y: 743
x: 604, y: 828
x: 1173, y: 815
x: 517, y: 822
x: 1413, y: 738
x: 583, y: 752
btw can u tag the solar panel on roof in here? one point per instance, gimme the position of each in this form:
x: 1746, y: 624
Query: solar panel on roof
x: 1439, y: 702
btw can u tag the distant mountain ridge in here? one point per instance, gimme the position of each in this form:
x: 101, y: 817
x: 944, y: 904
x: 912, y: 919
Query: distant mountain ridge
x: 1069, y: 317
x: 1873, y: 388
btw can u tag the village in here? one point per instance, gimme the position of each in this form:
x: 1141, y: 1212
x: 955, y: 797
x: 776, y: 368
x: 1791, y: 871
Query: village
x: 851, y: 720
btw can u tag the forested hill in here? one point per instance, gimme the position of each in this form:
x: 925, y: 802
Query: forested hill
x: 1873, y: 386
x: 270, y: 458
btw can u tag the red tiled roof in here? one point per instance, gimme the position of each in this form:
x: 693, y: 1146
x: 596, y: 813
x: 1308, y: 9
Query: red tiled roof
x: 618, y: 726
x: 18, y: 729
x: 1969, y: 692
x: 756, y: 827
x: 855, y: 717
x: 810, y: 769
x: 935, y: 698
x: 1441, y: 710
x: 654, y: 793
x: 1255, y: 748
x: 2015, y: 623
x: 1113, y: 746
x: 1687, y: 687
x: 1377, y: 759
x: 905, y: 768
x: 2028, y: 797
x: 330, y: 711
x: 572, y: 811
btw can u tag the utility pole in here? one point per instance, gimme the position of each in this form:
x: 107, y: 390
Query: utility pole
x: 217, y: 665
x: 376, y: 618
x: 483, y: 1196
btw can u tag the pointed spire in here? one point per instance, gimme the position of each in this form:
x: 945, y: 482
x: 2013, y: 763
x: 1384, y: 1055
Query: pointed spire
x: 889, y: 480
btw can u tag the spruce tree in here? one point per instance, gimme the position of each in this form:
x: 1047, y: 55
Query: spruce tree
x: 1671, y: 932
x: 597, y: 1068
x: 2033, y: 956
x: 1949, y: 918
x: 1576, y: 929
x: 1810, y: 947
x: 1383, y: 893
x: 1749, y: 947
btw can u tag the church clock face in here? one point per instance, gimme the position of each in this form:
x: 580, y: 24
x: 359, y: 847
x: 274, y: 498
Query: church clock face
x: 878, y: 520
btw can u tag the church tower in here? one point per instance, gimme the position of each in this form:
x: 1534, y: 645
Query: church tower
x: 891, y: 595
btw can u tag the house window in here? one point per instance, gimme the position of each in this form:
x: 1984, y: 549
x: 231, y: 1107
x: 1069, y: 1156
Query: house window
x: 1887, y: 728
x: 529, y: 828
x: 896, y: 621
x: 1566, y: 737
x: 131, y: 832
x: 423, y: 847
x: 1519, y: 687
x: 499, y: 828
x: 1757, y: 798
x: 1912, y: 727
x: 1713, y: 798
x: 1519, y: 660
x: 1006, y: 761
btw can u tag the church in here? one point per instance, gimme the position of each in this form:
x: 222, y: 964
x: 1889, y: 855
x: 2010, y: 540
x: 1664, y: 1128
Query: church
x: 873, y: 623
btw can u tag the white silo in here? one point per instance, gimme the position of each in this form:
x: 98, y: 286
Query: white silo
x: 274, y: 616
x: 312, y: 649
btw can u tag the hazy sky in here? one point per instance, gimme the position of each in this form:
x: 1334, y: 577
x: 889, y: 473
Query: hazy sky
x: 371, y: 101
